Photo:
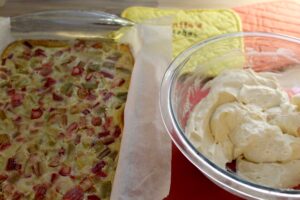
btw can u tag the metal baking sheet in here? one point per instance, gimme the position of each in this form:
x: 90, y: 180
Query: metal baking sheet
x: 66, y: 24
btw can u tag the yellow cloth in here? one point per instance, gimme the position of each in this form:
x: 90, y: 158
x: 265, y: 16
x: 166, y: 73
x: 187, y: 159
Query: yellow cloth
x: 192, y: 26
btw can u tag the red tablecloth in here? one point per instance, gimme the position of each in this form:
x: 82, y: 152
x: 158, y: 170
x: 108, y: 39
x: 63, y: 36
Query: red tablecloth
x: 188, y: 183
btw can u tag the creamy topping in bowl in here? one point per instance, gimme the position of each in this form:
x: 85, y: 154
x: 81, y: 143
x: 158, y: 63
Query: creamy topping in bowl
x: 248, y: 117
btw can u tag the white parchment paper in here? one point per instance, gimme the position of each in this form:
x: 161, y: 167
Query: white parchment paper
x: 144, y: 168
x: 5, y: 34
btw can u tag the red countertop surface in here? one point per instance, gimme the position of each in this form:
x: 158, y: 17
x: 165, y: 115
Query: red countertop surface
x: 188, y: 183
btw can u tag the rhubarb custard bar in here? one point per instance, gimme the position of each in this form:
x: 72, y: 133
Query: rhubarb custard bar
x: 61, y: 117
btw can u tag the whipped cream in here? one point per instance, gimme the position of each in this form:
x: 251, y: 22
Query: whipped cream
x: 248, y: 117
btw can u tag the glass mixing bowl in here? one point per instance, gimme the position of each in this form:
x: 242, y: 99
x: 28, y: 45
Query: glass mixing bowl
x: 181, y: 90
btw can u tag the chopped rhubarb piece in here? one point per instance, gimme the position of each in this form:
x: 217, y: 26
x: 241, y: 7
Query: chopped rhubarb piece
x: 40, y: 191
x: 65, y: 171
x: 68, y: 50
x: 86, y: 112
x: 3, y: 177
x: 97, y: 45
x: 231, y: 166
x: 93, y: 67
x: 108, y: 122
x: 82, y: 93
x: 54, y: 162
x: 49, y: 82
x: 16, y: 99
x: 17, y: 120
x: 52, y: 109
x: 96, y: 121
x: 104, y: 153
x: 90, y: 131
x: 70, y: 60
x: 93, y: 197
x: 118, y: 82
x: 82, y: 122
x: 61, y: 110
x: 103, y: 133
x: 27, y: 55
x: 54, y: 177
x: 10, y: 56
x: 86, y: 184
x: 72, y: 128
x: 92, y: 189
x: 36, y: 113
x: 107, y: 96
x: 115, y: 56
x: 11, y: 92
x: 5, y: 70
x: 90, y: 85
x: 89, y: 76
x: 61, y: 136
x: 122, y: 96
x: 121, y: 82
x: 64, y: 120
x: 101, y: 174
x: 27, y: 44
x: 3, y: 76
x: 75, y: 109
x: 79, y: 43
x: 4, y: 141
x: 75, y: 193
x: 39, y: 124
x: 56, y: 97
x: 97, y: 169
x: 108, y: 140
x: 17, y: 196
x: 108, y: 65
x: 52, y: 117
x: 12, y: 165
x: 96, y: 105
x: 33, y: 131
x: 76, y: 71
x: 61, y: 151
x: 91, y: 97
x: 41, y: 101
x: 107, y: 74
x: 20, y: 139
x: 2, y: 115
x: 16, y: 134
x: 9, y: 188
x: 36, y: 168
x: 118, y: 107
x: 77, y: 139
x: 117, y: 132
x: 58, y: 53
x: 39, y: 52
x: 46, y: 69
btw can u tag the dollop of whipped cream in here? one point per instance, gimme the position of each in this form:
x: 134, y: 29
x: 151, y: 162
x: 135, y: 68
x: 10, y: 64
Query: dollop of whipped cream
x: 248, y: 117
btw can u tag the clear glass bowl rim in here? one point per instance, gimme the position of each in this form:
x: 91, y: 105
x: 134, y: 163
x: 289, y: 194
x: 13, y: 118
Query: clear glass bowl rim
x: 217, y: 174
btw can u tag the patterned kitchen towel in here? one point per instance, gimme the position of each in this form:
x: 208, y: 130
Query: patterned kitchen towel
x: 192, y: 26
